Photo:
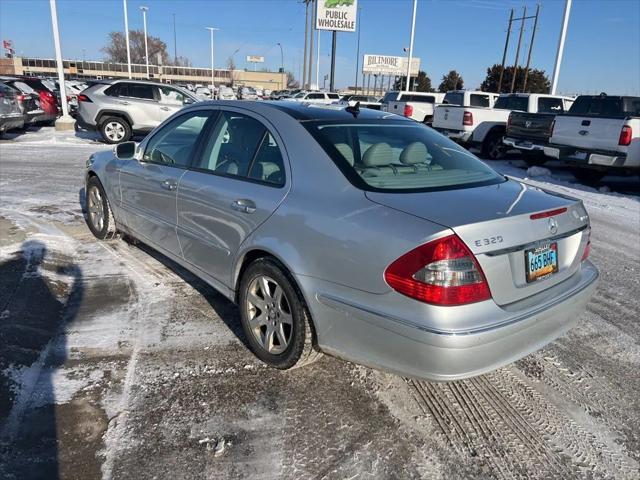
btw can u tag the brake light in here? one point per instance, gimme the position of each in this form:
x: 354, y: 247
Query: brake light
x: 587, y: 249
x: 20, y: 97
x: 625, y: 136
x: 83, y: 98
x: 442, y: 272
x: 550, y: 213
x: 467, y: 119
x: 408, y: 110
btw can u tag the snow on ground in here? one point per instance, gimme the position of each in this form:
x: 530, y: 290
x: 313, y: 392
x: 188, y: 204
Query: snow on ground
x: 115, y: 363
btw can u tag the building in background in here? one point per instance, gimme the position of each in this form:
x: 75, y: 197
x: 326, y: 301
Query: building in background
x: 46, y: 67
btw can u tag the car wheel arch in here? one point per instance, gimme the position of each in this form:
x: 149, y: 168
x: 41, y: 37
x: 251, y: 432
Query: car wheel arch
x: 103, y: 114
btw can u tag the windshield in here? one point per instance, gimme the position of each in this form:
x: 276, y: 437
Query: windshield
x: 400, y: 156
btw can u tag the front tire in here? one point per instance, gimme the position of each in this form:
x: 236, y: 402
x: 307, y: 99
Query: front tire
x: 99, y: 216
x: 115, y: 130
x: 275, y: 317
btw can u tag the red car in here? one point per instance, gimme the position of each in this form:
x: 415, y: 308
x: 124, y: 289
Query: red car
x: 48, y: 101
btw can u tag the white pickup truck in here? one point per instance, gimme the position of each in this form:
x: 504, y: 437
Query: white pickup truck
x: 599, y: 134
x: 418, y: 106
x: 484, y: 127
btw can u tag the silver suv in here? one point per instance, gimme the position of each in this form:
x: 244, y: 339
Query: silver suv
x: 119, y: 109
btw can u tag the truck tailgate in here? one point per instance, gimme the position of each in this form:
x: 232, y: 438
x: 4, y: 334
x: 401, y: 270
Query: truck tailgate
x: 530, y: 126
x: 590, y: 133
x: 448, y: 117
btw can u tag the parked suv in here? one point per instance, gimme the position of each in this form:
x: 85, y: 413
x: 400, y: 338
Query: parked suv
x: 119, y: 109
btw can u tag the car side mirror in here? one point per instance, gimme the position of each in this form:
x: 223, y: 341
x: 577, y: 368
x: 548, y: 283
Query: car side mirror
x: 125, y: 150
x: 188, y: 101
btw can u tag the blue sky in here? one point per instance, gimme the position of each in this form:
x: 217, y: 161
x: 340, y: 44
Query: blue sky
x: 602, y: 51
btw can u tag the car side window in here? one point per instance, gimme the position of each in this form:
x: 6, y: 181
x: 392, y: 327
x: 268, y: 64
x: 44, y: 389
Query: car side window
x: 171, y: 96
x: 267, y: 166
x: 479, y: 100
x: 232, y: 144
x: 117, y: 90
x: 174, y: 143
x: 550, y: 105
x: 145, y: 92
x: 315, y: 96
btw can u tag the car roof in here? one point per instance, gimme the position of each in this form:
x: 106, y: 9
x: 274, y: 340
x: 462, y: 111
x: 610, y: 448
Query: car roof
x: 110, y: 81
x: 307, y: 112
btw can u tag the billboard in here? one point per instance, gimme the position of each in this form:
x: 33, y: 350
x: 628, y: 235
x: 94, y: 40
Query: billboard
x: 339, y: 15
x: 388, y: 65
x: 255, y: 59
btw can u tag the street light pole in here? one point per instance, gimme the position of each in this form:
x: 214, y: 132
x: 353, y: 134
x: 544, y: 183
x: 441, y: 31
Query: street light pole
x: 65, y: 122
x: 358, y: 48
x: 126, y: 36
x: 563, y: 35
x: 282, y: 67
x: 318, y: 59
x: 146, y: 47
x: 212, y: 29
x: 413, y: 30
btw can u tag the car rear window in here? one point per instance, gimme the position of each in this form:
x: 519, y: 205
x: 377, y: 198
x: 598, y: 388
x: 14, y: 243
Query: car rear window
x: 606, y: 106
x: 477, y: 100
x: 550, y: 105
x: 399, y: 156
x: 418, y: 98
x: 512, y: 103
x: 390, y: 97
x: 333, y: 96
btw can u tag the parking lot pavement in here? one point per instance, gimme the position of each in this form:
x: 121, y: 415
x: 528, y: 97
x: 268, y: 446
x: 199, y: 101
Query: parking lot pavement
x: 115, y: 363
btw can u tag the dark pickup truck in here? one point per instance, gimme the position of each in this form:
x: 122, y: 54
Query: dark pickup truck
x: 530, y: 132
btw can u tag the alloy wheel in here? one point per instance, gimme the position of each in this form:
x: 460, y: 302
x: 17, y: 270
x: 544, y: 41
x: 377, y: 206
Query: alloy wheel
x: 114, y: 131
x: 269, y: 314
x: 96, y: 209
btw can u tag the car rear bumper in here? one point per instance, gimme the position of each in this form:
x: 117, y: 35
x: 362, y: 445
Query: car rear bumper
x: 526, y: 145
x: 401, y: 346
x: 587, y: 157
x: 9, y: 122
x: 82, y: 123
x: 459, y: 136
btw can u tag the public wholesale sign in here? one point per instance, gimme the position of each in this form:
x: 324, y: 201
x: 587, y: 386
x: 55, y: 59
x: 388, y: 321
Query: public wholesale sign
x: 389, y: 65
x: 339, y: 15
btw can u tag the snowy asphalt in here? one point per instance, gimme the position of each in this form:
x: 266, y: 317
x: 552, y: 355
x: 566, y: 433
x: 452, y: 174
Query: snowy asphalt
x: 117, y: 364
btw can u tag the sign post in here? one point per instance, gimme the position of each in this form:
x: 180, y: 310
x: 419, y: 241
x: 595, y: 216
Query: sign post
x: 337, y: 16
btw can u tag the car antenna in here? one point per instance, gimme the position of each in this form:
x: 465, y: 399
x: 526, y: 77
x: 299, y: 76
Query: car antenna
x: 355, y: 110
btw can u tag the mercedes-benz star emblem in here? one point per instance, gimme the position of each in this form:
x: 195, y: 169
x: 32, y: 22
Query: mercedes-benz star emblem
x: 553, y: 225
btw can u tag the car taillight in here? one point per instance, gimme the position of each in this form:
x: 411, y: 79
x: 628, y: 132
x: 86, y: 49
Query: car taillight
x: 20, y: 97
x: 441, y: 272
x: 587, y: 249
x: 548, y: 213
x: 84, y: 98
x: 625, y: 136
x: 408, y: 110
x: 467, y: 119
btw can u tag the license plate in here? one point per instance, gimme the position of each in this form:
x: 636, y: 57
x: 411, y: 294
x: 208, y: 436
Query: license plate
x: 579, y: 156
x: 540, y: 262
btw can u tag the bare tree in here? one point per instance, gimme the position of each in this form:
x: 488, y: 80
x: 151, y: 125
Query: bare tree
x: 116, y: 49
x: 231, y: 66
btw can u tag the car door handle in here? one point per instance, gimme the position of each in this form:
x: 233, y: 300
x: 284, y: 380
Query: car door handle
x: 169, y: 184
x: 166, y: 109
x: 124, y: 103
x: 244, y: 205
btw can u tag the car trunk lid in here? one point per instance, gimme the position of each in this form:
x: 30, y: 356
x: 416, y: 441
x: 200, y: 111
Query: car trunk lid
x: 448, y: 117
x: 496, y: 223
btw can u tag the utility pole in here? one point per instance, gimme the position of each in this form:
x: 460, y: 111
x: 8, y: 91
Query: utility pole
x: 563, y: 35
x: 212, y: 29
x: 175, y: 42
x: 282, y: 74
x: 146, y: 47
x: 533, y: 36
x: 358, y: 48
x: 504, y: 54
x: 313, y: 26
x: 515, y: 66
x: 126, y: 36
x: 413, y: 30
x: 333, y: 61
x: 65, y: 122
x: 306, y: 38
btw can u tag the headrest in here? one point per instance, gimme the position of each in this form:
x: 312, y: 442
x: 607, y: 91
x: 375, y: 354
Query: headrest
x: 377, y: 155
x: 413, y: 153
x: 346, y: 151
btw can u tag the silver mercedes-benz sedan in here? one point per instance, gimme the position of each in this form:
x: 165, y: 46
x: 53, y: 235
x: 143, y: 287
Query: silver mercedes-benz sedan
x: 352, y: 232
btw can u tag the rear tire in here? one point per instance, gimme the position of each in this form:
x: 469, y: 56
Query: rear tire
x: 99, y: 216
x: 274, y: 316
x: 492, y: 147
x: 534, y: 159
x: 115, y: 130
